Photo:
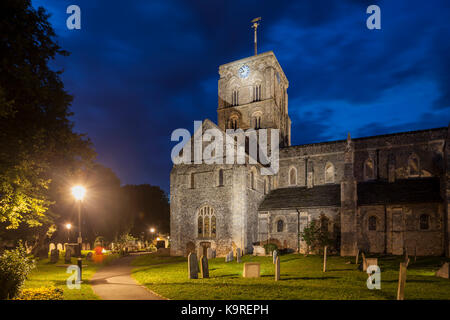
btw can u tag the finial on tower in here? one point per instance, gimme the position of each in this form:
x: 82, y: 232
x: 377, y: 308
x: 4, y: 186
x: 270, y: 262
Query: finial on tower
x: 255, y: 26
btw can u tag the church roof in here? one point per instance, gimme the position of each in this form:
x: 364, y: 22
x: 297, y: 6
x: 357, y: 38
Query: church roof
x: 296, y: 197
x: 419, y: 190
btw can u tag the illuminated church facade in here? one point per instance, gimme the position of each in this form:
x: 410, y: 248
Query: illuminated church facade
x: 382, y: 194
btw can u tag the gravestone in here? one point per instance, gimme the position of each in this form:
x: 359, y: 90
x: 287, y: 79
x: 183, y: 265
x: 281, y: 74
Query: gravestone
x: 54, y: 256
x: 259, y: 251
x: 199, y: 253
x: 83, y: 246
x: 325, y: 259
x: 209, y: 253
x: 274, y: 256
x: 238, y: 255
x: 230, y: 256
x: 68, y: 256
x: 401, y: 282
x: 214, y: 254
x: 444, y: 271
x: 192, y: 266
x: 357, y: 257
x: 277, y: 269
x: 204, y: 267
x: 88, y: 246
x: 370, y: 262
x: 251, y: 270
x: 51, y: 247
x: 363, y: 262
x: 59, y: 246
x: 89, y: 256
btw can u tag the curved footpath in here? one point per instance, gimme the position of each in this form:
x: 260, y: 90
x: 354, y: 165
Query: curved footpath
x: 114, y: 282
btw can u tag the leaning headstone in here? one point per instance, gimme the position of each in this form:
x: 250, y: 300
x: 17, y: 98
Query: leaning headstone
x: 274, y: 256
x: 204, y: 267
x: 325, y: 259
x: 209, y: 253
x: 88, y: 246
x: 444, y: 271
x: 68, y: 256
x: 89, y: 256
x: 277, y: 269
x: 362, y: 265
x: 401, y: 281
x: 51, y: 247
x: 59, y: 246
x: 192, y: 266
x: 357, y: 257
x: 251, y: 270
x: 54, y: 256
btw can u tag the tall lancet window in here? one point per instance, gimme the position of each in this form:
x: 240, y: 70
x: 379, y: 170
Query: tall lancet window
x: 257, y: 92
x: 293, y: 177
x: 235, y: 98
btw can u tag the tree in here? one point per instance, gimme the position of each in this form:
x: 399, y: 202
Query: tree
x: 39, y: 151
x: 316, y: 235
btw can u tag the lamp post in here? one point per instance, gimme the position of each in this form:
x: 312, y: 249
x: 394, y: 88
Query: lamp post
x: 78, y: 193
x: 68, y: 227
x: 152, y: 231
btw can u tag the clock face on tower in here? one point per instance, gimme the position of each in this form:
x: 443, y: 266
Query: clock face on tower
x: 244, y: 71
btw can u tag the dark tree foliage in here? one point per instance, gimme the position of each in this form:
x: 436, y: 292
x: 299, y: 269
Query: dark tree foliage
x: 39, y: 152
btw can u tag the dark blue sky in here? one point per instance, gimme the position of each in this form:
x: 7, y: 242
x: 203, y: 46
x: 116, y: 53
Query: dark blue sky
x: 140, y: 69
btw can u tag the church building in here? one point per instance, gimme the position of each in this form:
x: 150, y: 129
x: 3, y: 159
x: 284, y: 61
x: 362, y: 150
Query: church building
x: 386, y: 194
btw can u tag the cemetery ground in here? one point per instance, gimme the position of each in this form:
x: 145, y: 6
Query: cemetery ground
x: 48, y: 274
x: 301, y: 278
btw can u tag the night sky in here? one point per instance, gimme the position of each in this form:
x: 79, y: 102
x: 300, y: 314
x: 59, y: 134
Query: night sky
x: 140, y: 69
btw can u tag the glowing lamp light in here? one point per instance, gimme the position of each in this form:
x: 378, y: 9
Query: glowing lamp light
x: 158, y: 238
x: 103, y: 250
x: 152, y: 230
x: 78, y: 192
x: 69, y: 226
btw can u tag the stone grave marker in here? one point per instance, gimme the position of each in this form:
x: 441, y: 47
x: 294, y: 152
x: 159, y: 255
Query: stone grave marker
x: 401, y: 282
x: 325, y: 259
x: 357, y: 257
x: 192, y: 266
x: 251, y: 270
x: 444, y: 271
x: 51, y: 247
x: 277, y: 269
x: 369, y: 262
x: 274, y: 256
x: 68, y: 256
x: 88, y: 246
x: 231, y: 256
x: 199, y: 252
x: 83, y: 246
x: 204, y: 267
x: 209, y: 253
x: 54, y: 256
x: 59, y: 246
x: 238, y: 255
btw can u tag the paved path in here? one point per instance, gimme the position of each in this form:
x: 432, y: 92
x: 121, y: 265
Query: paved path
x: 114, y: 282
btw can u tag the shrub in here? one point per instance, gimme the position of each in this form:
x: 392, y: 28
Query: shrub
x: 270, y: 247
x: 49, y: 293
x: 14, y: 268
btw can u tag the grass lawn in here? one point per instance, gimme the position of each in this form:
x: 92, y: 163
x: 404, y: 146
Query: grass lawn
x: 301, y: 278
x: 47, y: 274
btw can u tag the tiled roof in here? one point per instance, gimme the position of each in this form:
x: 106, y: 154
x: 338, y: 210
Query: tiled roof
x: 401, y: 191
x: 294, y: 197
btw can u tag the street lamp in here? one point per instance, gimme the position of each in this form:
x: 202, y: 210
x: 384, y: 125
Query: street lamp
x: 68, y: 227
x: 78, y: 192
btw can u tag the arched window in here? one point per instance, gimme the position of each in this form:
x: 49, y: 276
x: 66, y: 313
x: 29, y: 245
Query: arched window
x: 324, y: 223
x: 413, y: 165
x: 257, y: 92
x: 293, y: 177
x: 235, y: 97
x: 372, y: 223
x: 206, y: 222
x: 252, y: 180
x: 257, y: 122
x: 369, y: 170
x: 329, y: 173
x: 424, y: 222
x: 233, y: 122
x: 280, y: 225
x: 192, y: 181
x: 220, y: 177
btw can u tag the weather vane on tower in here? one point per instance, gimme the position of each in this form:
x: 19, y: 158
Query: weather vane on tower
x: 255, y: 26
